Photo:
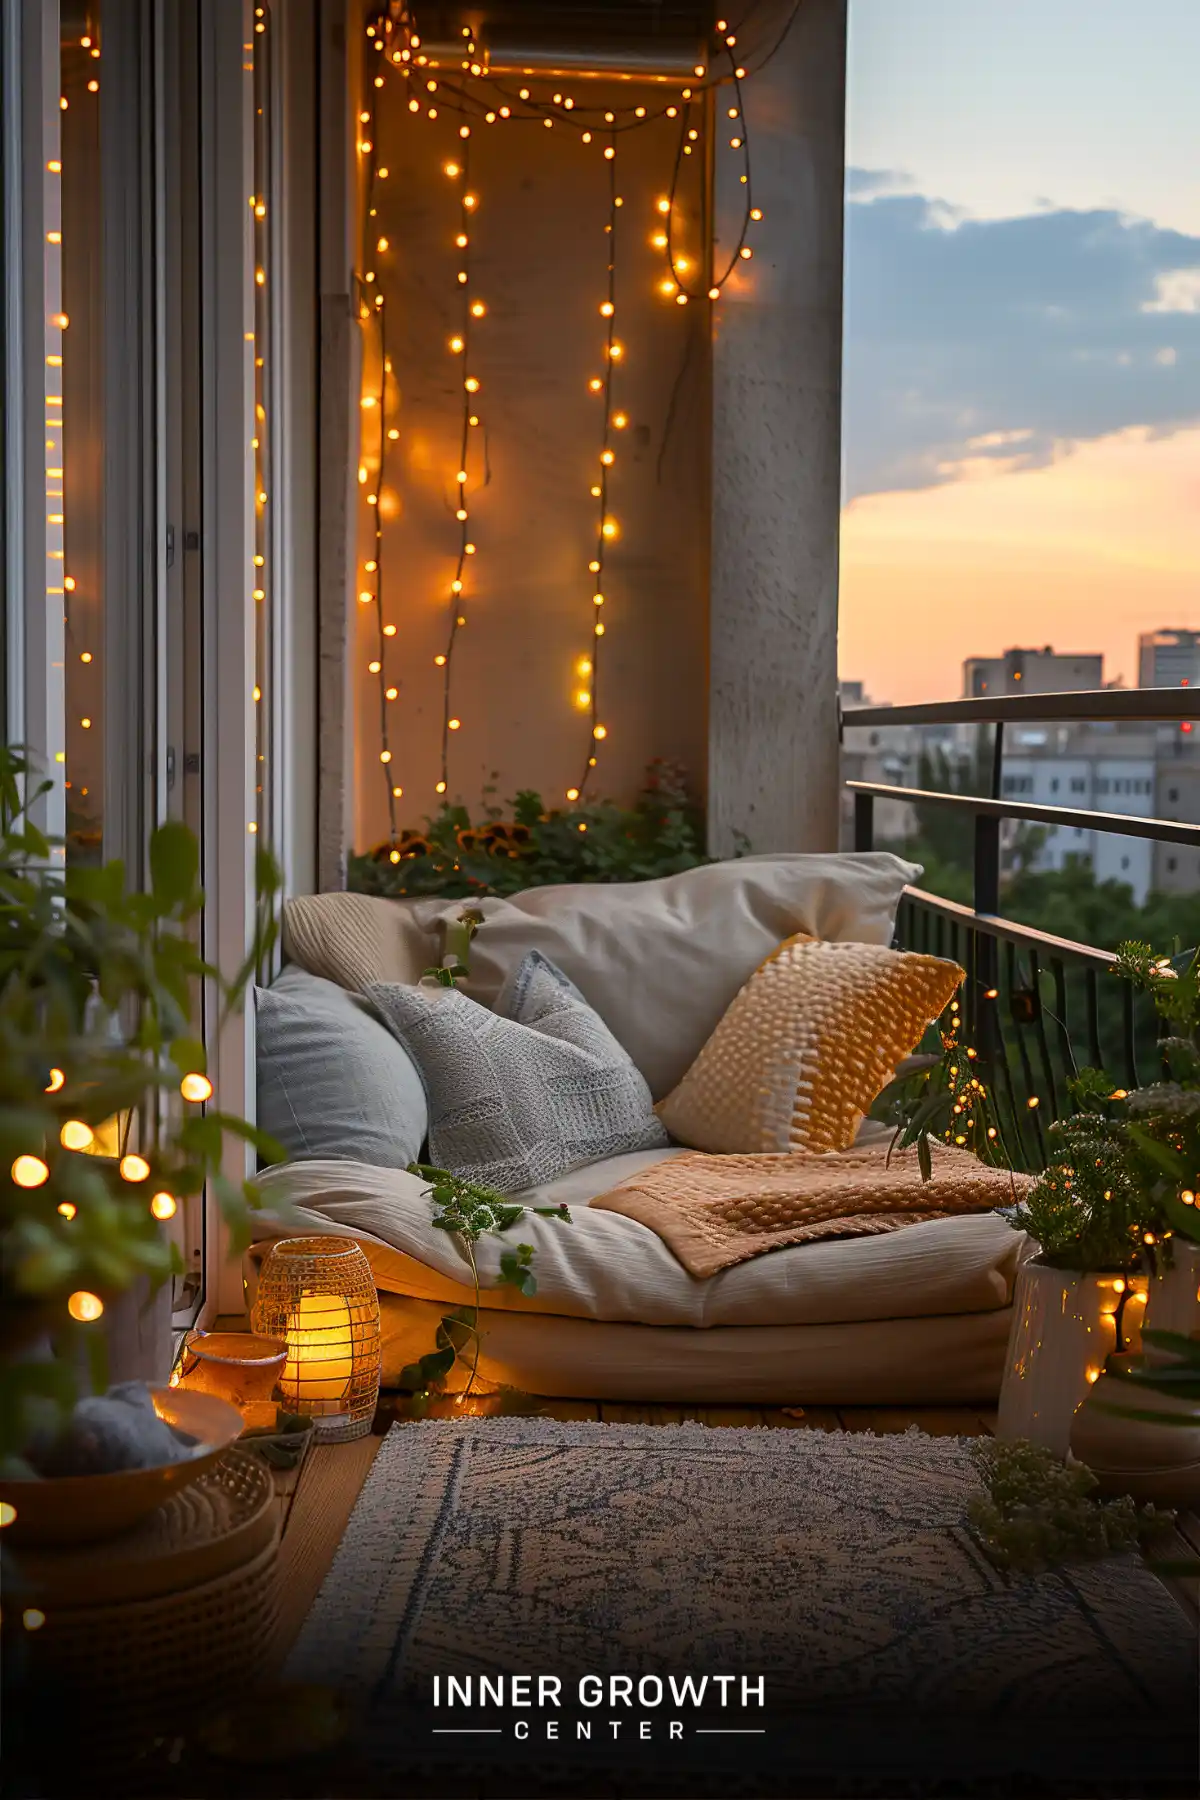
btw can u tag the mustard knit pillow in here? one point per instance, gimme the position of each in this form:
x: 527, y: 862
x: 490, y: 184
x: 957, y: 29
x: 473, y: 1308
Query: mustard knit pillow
x: 805, y: 1047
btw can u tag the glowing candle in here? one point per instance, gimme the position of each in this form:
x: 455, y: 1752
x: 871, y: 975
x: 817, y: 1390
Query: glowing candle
x: 320, y: 1351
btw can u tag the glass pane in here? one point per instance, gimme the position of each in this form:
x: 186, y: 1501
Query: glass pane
x: 81, y: 436
x: 263, y: 423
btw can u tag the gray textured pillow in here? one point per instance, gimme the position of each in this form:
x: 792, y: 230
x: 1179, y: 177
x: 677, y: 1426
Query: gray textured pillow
x: 524, y: 1094
x: 332, y: 1081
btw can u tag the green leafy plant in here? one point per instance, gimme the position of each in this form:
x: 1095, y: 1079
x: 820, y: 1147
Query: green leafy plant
x: 468, y: 1210
x: 1124, y: 1170
x: 99, y: 984
x: 1039, y: 1512
x: 940, y: 1094
x: 451, y: 855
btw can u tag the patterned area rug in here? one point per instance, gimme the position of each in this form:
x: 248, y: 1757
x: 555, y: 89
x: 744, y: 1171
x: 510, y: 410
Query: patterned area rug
x: 731, y: 1611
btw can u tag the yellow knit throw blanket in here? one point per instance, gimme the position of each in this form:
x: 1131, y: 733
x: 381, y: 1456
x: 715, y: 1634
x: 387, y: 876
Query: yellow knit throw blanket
x: 714, y: 1211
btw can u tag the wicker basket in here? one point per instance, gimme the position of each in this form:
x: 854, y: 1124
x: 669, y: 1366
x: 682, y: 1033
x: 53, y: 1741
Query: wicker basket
x: 127, y: 1672
x: 318, y: 1295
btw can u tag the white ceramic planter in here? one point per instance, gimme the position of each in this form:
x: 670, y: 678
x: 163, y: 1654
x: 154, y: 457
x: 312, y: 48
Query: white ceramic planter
x: 1173, y: 1302
x: 1064, y: 1326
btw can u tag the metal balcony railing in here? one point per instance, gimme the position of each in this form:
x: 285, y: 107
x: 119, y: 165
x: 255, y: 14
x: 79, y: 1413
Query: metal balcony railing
x: 1036, y: 1008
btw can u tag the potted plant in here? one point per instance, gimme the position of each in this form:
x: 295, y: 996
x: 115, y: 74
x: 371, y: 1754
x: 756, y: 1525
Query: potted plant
x: 1114, y: 1214
x: 98, y: 1049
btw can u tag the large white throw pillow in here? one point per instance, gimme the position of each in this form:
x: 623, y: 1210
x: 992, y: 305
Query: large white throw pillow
x: 661, y: 960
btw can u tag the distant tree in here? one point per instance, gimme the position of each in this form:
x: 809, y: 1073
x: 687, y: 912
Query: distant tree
x: 944, y: 834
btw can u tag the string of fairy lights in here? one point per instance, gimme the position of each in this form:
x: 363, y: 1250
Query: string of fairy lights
x: 458, y: 169
x: 373, y: 307
x: 259, y: 443
x: 82, y: 685
x: 473, y: 98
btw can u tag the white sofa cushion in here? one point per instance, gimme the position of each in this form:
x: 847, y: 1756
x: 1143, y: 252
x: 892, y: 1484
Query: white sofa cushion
x: 662, y: 960
x: 604, y: 1266
x: 934, y: 1361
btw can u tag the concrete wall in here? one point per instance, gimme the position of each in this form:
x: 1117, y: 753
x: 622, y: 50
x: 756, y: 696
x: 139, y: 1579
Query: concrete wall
x: 539, y: 254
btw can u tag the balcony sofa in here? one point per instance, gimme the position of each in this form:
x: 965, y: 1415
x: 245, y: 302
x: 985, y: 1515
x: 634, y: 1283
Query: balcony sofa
x: 916, y: 1316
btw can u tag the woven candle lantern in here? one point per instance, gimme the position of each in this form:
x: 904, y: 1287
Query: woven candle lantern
x: 318, y: 1295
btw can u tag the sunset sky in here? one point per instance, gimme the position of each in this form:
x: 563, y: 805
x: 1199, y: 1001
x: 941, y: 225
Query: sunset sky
x: 1022, y: 363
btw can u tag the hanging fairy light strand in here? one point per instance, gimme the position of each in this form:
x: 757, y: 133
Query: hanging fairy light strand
x: 262, y: 575
x: 479, y: 99
x: 606, y: 526
x: 458, y: 169
x: 372, y: 306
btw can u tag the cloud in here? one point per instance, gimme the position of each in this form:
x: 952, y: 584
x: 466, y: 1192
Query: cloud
x: 866, y: 184
x: 1010, y: 339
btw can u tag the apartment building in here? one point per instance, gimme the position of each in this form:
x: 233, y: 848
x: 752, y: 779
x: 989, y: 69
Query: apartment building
x: 1141, y: 771
x: 1042, y: 671
x: 1169, y: 658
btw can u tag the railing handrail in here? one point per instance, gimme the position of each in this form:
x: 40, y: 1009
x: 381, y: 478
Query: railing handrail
x: 1010, y: 931
x: 1087, y: 706
x: 1168, y: 831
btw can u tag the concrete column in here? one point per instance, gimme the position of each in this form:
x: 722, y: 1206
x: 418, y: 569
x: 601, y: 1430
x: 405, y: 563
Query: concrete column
x: 776, y: 452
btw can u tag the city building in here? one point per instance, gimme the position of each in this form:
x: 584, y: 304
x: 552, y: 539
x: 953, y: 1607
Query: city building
x: 1032, y: 671
x: 1169, y: 659
x: 1142, y: 771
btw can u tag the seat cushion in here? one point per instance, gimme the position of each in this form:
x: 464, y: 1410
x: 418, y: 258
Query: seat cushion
x: 525, y: 1093
x: 661, y: 960
x: 605, y: 1266
x: 333, y: 1081
x: 950, y: 1360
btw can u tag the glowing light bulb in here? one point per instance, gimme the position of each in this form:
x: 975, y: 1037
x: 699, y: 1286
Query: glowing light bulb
x: 196, y: 1087
x: 75, y: 1135
x: 714, y: 293
x: 595, y: 384
x: 164, y: 1206
x: 599, y: 731
x: 477, y: 309
x: 68, y: 1209
x: 471, y: 384
x: 452, y: 169
x: 453, y: 724
x: 745, y: 252
x: 84, y: 1306
x: 440, y: 661
x: 609, y: 528
x: 373, y: 668
x: 663, y: 205
x: 134, y: 1168
x: 29, y: 1171
x: 607, y: 309
x: 57, y: 1079
x: 439, y: 787
x: 607, y: 457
